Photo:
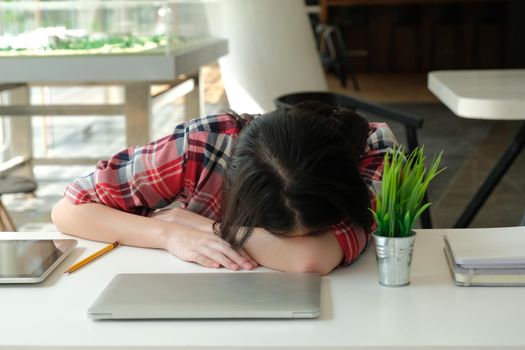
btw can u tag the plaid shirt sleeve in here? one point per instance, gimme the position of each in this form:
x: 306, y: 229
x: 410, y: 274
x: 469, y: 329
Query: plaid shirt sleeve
x: 352, y: 238
x: 135, y: 180
x: 141, y: 179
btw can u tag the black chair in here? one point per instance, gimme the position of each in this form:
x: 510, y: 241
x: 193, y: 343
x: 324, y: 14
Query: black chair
x: 410, y: 122
x: 333, y: 54
x: 11, y: 185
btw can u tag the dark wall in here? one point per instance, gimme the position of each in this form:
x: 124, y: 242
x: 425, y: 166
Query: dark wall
x: 516, y: 46
x: 419, y: 38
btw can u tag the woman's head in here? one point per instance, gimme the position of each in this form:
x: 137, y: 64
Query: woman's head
x: 295, y: 171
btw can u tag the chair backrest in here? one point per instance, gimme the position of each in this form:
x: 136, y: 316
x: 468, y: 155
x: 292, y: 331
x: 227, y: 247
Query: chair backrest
x: 330, y: 41
x: 12, y: 185
x: 411, y: 123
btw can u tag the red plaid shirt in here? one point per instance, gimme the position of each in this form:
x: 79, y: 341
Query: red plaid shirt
x: 189, y: 165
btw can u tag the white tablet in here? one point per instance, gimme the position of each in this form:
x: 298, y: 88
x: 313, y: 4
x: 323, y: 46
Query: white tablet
x: 31, y: 261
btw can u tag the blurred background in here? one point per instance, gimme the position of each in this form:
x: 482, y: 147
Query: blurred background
x: 82, y: 80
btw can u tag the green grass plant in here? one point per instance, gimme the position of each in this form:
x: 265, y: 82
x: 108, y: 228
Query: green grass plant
x: 401, y: 201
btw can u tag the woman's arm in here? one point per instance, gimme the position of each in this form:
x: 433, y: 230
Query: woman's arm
x: 101, y: 223
x: 316, y: 253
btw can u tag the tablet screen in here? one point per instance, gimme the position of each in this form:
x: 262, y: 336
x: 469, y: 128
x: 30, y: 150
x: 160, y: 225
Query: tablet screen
x: 30, y: 259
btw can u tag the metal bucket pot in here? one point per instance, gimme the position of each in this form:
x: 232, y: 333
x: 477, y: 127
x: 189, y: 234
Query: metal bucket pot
x: 394, y: 257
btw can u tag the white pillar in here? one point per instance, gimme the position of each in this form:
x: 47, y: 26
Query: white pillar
x: 21, y: 130
x: 271, y: 51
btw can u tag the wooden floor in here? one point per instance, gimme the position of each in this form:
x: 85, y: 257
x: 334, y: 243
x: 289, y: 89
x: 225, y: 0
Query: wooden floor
x: 386, y: 87
x: 373, y: 87
x: 214, y: 92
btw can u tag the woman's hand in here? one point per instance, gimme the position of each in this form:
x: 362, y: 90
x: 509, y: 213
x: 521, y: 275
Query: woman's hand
x: 205, y: 249
x: 199, y: 244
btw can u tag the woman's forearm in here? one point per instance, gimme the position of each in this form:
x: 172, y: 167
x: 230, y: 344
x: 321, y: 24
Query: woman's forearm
x: 101, y: 223
x: 318, y: 253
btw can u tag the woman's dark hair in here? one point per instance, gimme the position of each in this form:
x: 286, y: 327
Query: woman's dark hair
x: 293, y: 168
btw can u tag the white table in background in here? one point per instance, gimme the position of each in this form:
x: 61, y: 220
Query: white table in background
x: 135, y: 72
x: 484, y: 94
x: 356, y: 313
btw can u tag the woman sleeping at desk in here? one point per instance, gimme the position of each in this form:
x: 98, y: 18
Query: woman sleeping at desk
x: 290, y: 189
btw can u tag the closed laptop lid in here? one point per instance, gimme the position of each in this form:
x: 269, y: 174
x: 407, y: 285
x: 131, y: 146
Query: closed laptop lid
x: 209, y: 295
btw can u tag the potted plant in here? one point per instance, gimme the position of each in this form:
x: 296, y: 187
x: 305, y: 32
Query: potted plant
x: 398, y: 205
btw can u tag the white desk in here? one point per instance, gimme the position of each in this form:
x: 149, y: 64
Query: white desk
x: 356, y: 311
x: 135, y: 72
x: 481, y: 94
x: 484, y: 94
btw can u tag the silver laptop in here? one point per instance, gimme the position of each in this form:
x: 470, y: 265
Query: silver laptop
x: 209, y: 295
